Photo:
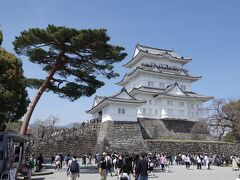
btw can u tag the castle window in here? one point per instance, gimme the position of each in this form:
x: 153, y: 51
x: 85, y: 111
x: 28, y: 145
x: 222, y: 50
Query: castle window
x: 181, y: 103
x: 121, y: 111
x: 150, y: 83
x: 150, y: 101
x: 183, y: 87
x: 161, y: 85
x: 181, y: 112
x: 156, y: 111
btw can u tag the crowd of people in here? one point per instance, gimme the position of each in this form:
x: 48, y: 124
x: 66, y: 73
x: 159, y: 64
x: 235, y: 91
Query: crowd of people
x: 138, y: 166
x: 125, y: 164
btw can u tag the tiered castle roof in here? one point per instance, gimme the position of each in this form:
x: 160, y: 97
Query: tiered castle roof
x: 141, y: 51
x: 165, y: 72
x: 172, y: 90
x: 121, y: 97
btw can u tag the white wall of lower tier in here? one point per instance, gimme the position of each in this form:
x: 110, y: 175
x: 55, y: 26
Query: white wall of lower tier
x: 156, y: 81
x: 118, y: 112
x: 155, y: 108
x: 158, y: 108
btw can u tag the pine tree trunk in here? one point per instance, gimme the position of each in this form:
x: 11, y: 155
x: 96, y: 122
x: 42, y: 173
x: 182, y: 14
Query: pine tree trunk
x: 40, y: 91
x: 33, y: 104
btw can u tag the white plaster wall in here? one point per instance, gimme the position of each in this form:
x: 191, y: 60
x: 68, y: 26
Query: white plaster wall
x: 195, y: 111
x: 167, y: 81
x: 191, y: 109
x: 152, y: 108
x: 113, y: 115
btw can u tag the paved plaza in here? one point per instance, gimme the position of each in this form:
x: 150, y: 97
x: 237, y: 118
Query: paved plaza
x: 175, y: 173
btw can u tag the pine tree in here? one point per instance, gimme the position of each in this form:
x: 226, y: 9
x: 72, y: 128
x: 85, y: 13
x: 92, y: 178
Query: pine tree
x: 75, y: 60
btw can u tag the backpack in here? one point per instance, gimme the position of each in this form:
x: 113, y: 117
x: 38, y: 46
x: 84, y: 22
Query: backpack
x: 74, y: 167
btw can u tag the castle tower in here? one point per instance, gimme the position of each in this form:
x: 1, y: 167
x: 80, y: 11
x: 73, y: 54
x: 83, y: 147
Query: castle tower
x: 157, y: 87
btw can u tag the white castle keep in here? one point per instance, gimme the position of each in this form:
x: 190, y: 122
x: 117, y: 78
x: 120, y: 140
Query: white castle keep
x: 157, y: 87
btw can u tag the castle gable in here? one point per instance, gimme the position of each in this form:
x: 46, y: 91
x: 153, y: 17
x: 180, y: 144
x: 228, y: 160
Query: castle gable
x: 176, y: 91
x: 123, y: 94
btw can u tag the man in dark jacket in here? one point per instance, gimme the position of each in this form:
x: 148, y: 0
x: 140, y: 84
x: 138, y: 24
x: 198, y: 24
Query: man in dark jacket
x: 142, y: 168
x: 103, y: 166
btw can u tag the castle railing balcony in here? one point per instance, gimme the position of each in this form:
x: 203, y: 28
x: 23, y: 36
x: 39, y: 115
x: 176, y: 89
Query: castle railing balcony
x: 165, y: 67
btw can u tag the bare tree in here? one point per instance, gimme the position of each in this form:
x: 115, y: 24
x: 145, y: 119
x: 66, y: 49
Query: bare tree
x: 225, y: 117
x: 44, y: 127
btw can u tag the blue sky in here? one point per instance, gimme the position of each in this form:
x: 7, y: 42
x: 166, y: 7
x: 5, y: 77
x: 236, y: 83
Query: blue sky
x: 207, y: 31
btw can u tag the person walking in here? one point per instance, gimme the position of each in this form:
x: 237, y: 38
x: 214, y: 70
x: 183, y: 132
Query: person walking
x: 199, y: 162
x: 187, y: 161
x: 40, y: 162
x: 109, y: 164
x: 163, y: 162
x: 142, y: 168
x: 126, y: 169
x: 73, y: 170
x: 234, y: 164
x: 57, y: 162
x: 30, y: 164
x: 207, y: 162
x: 103, y: 166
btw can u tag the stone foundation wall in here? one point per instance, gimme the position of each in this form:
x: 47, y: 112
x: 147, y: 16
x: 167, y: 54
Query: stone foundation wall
x: 143, y: 135
x: 173, y: 147
x: 80, y: 141
x: 120, y: 137
x: 170, y: 129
